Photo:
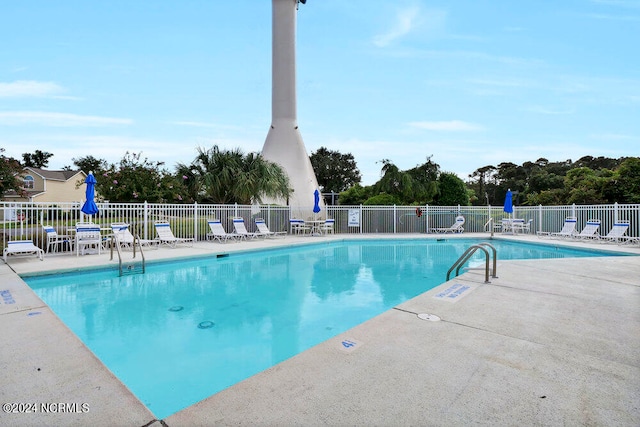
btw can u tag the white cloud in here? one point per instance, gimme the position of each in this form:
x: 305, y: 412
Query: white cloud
x: 29, y: 88
x: 404, y: 23
x: 18, y: 118
x: 449, y: 126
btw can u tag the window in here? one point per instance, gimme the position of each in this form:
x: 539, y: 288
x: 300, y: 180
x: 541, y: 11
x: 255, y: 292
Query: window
x: 28, y: 182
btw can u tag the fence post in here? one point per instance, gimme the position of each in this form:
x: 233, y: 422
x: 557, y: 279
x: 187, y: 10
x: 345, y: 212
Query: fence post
x: 195, y: 221
x: 395, y: 217
x: 145, y: 215
x: 426, y: 219
x: 615, y: 212
x: 540, y: 218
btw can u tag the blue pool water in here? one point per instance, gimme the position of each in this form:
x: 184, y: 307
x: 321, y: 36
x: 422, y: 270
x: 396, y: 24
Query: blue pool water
x: 186, y: 330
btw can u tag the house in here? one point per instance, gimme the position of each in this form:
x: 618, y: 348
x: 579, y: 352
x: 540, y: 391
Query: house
x: 43, y: 185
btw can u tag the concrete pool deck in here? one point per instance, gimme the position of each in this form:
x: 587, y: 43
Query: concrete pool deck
x: 548, y: 342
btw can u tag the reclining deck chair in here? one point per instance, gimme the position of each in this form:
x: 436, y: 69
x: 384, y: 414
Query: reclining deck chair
x: 240, y: 230
x: 123, y: 235
x: 263, y: 229
x: 218, y: 232
x: 590, y: 230
x: 568, y: 229
x: 22, y: 248
x: 617, y: 232
x: 166, y: 236
x: 456, y: 227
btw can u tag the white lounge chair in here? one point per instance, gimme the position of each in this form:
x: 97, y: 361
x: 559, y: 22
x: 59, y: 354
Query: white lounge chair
x: 568, y: 229
x: 328, y: 226
x: 617, y: 234
x: 240, y: 230
x: 456, y: 227
x: 590, y: 230
x: 166, y: 236
x: 54, y: 239
x: 218, y: 232
x: 22, y: 248
x: 87, y: 237
x: 123, y: 235
x: 263, y: 229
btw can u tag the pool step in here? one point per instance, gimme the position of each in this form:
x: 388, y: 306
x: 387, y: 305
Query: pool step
x: 132, y: 268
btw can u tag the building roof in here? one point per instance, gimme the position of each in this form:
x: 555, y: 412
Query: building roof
x: 61, y: 175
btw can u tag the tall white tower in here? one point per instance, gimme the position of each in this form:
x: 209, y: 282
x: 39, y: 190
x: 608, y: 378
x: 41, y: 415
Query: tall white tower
x: 284, y: 143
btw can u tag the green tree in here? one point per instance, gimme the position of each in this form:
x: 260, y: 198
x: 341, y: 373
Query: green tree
x: 585, y: 186
x: 90, y: 164
x: 382, y: 199
x: 39, y: 159
x: 9, y: 170
x: 452, y: 190
x: 137, y: 179
x: 394, y: 182
x: 355, y: 195
x: 424, y: 185
x: 334, y: 171
x: 230, y: 176
x: 624, y: 184
x: 483, y: 185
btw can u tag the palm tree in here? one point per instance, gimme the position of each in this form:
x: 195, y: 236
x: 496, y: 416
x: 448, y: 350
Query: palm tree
x: 230, y: 176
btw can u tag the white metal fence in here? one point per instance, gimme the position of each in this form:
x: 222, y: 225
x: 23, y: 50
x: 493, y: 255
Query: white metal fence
x: 25, y: 220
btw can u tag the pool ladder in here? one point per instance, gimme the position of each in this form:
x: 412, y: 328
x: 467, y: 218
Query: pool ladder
x: 132, y: 267
x: 469, y: 252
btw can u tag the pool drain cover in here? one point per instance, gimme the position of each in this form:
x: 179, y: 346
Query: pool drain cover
x: 206, y: 324
x: 431, y: 317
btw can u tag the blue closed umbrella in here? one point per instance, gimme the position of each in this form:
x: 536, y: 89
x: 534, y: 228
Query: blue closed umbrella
x: 316, y: 199
x: 90, y: 207
x: 508, y: 202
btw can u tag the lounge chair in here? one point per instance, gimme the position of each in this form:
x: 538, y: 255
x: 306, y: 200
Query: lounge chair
x: 617, y: 234
x: 568, y: 229
x: 22, y: 248
x: 456, y: 227
x: 123, y: 235
x: 590, y: 230
x: 299, y: 227
x: 240, y: 230
x: 166, y: 236
x: 87, y: 237
x: 327, y: 227
x: 263, y: 229
x: 54, y: 239
x: 218, y: 232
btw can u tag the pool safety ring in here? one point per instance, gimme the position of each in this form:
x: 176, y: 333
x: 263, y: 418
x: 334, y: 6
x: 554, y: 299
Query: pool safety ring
x: 430, y: 317
x: 418, y: 212
x: 176, y: 308
x: 206, y: 324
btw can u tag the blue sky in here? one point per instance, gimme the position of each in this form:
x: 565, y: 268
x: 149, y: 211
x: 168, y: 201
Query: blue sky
x: 469, y: 82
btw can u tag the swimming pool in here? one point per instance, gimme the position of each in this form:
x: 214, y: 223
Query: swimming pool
x: 186, y: 330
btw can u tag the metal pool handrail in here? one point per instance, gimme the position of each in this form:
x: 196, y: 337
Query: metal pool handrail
x: 469, y: 252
